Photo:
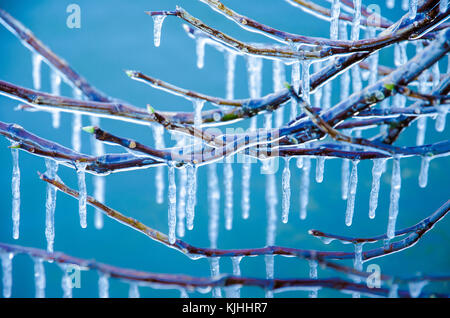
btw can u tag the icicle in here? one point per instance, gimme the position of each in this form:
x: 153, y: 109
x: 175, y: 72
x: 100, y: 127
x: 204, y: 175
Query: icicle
x: 191, y: 171
x: 6, y: 258
x: 395, y: 197
x: 172, y: 195
x: 422, y: 121
x: 213, y: 207
x: 412, y: 9
x: 15, y: 187
x: 103, y: 285
x: 318, y: 93
x: 215, y: 273
x: 269, y: 260
x: 36, y: 60
x: 181, y: 208
x: 423, y: 175
x: 441, y: 118
x: 200, y: 49
x: 228, y: 185
x: 230, y: 65
x: 99, y: 182
x: 254, y: 69
x: 77, y: 123
x: 390, y: 3
x: 415, y: 288
x: 393, y: 291
x: 306, y: 81
x: 351, y: 193
x: 358, y: 265
x: 39, y: 277
x: 405, y: 4
x: 377, y: 171
x: 55, y: 81
x: 198, y: 105
x: 133, y: 292
x: 158, y: 136
x: 320, y: 167
x: 99, y: 195
x: 345, y: 77
x: 443, y: 6
x: 183, y: 293
x: 373, y: 58
x: 245, y: 202
x: 345, y: 178
x: 278, y: 80
x: 295, y: 78
x: 66, y: 283
x: 270, y: 271
x: 356, y: 19
x: 236, y: 290
x: 334, y: 23
x: 82, y: 199
x: 271, y: 201
x: 50, y: 204
x: 157, y: 25
x: 286, y: 185
x: 304, y: 187
x: 313, y: 275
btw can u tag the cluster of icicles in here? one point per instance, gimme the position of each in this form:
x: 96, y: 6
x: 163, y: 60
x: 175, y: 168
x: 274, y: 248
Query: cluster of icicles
x: 183, y: 208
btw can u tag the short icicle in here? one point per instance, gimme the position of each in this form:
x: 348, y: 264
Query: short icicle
x: 103, y: 285
x: 39, y: 277
x: 423, y: 175
x: 235, y: 291
x: 313, y: 275
x: 200, y: 50
x: 6, y: 258
x: 15, y: 187
x: 82, y: 199
x: 351, y: 193
x: 66, y: 281
x: 36, y: 60
x: 320, y: 168
x: 50, y: 204
x: 415, y: 287
x: 358, y: 265
x: 286, y: 187
x: 172, y: 197
x: 394, y: 198
x: 214, y: 263
x: 228, y: 187
x: 133, y: 291
x: 412, y: 9
x: 270, y: 272
x: 157, y: 26
x: 377, y: 171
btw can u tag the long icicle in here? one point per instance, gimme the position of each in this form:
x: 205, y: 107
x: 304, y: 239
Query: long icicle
x: 351, y: 193
x: 304, y: 187
x: 181, y: 202
x: 213, y: 205
x: 15, y: 187
x: 230, y: 67
x: 191, y: 171
x: 158, y: 136
x: 103, y: 285
x: 377, y: 171
x: 82, y: 200
x: 394, y: 198
x: 271, y: 201
x: 228, y: 187
x: 55, y: 81
x: 99, y: 182
x: 295, y: 79
x: 279, y: 77
x: 50, y: 204
x: 286, y: 187
x: 423, y: 175
x: 172, y: 196
x: 77, y: 123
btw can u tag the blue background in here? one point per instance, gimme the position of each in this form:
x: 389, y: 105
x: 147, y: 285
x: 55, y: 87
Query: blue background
x: 117, y: 35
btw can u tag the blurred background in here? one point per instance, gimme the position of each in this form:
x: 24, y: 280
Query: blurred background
x: 117, y: 35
